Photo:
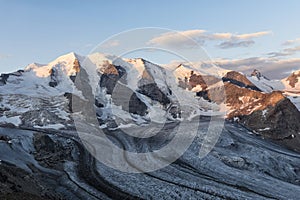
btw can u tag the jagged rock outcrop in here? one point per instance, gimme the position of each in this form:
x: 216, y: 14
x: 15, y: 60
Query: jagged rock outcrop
x: 76, y: 68
x: 53, y: 76
x: 113, y: 79
x: 4, y: 77
x: 192, y: 80
x: 148, y: 86
x: 293, y: 79
x: 110, y: 75
x: 279, y: 122
x: 258, y: 74
x: 271, y: 115
x: 239, y: 80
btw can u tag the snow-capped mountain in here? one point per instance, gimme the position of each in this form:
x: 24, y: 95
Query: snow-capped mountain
x: 289, y: 86
x: 131, y: 92
x: 39, y: 107
x: 153, y: 87
x: 292, y: 82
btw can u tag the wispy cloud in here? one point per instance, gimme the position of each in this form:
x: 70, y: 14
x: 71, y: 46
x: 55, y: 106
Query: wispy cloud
x: 183, y: 39
x: 4, y: 56
x: 285, y: 52
x: 111, y: 43
x: 234, y: 44
x: 192, y: 38
x: 291, y: 42
x: 246, y: 36
x: 275, y: 54
x: 292, y: 50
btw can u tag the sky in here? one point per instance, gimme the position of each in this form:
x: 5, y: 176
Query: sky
x: 239, y: 35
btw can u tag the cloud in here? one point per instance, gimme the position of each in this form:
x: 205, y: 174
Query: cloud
x: 4, y: 56
x: 252, y: 35
x: 246, y: 36
x: 285, y: 52
x: 186, y: 39
x: 193, y: 38
x: 291, y: 42
x: 292, y: 50
x: 277, y: 54
x: 111, y: 43
x: 234, y: 44
x: 270, y: 67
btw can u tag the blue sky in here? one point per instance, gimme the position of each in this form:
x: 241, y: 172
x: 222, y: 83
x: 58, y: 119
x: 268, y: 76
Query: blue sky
x: 40, y: 31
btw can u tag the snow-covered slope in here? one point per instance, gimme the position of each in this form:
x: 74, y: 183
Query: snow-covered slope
x: 266, y: 85
x: 34, y: 81
x: 290, y: 86
x: 44, y: 88
x: 28, y: 99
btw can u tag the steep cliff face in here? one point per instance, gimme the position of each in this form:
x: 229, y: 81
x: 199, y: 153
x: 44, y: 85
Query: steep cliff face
x: 279, y: 122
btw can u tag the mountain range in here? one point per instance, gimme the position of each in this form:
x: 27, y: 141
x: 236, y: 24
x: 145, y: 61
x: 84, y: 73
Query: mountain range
x: 130, y: 92
x: 42, y: 155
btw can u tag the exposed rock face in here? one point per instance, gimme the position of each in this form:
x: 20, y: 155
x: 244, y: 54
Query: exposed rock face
x: 4, y: 77
x: 293, y: 78
x: 195, y: 80
x: 270, y: 114
x: 49, y: 152
x: 151, y: 90
x: 128, y: 99
x: 243, y: 101
x: 76, y: 68
x: 53, y: 75
x: 147, y: 86
x: 239, y: 80
x: 40, y: 118
x: 258, y: 74
x: 112, y: 78
x: 280, y: 122
x: 81, y: 105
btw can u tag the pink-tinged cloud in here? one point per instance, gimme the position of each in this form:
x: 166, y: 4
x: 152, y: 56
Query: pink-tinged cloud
x: 291, y: 42
x: 271, y: 67
x: 111, y: 43
x: 186, y: 39
x: 190, y: 38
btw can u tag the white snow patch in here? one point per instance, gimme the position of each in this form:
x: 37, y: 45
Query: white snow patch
x: 264, y: 129
x: 197, y: 88
x: 266, y: 85
x: 11, y: 120
x: 51, y: 126
x: 264, y: 113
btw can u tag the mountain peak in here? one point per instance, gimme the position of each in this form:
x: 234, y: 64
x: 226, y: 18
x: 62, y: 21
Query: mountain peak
x: 256, y: 73
x: 293, y: 81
